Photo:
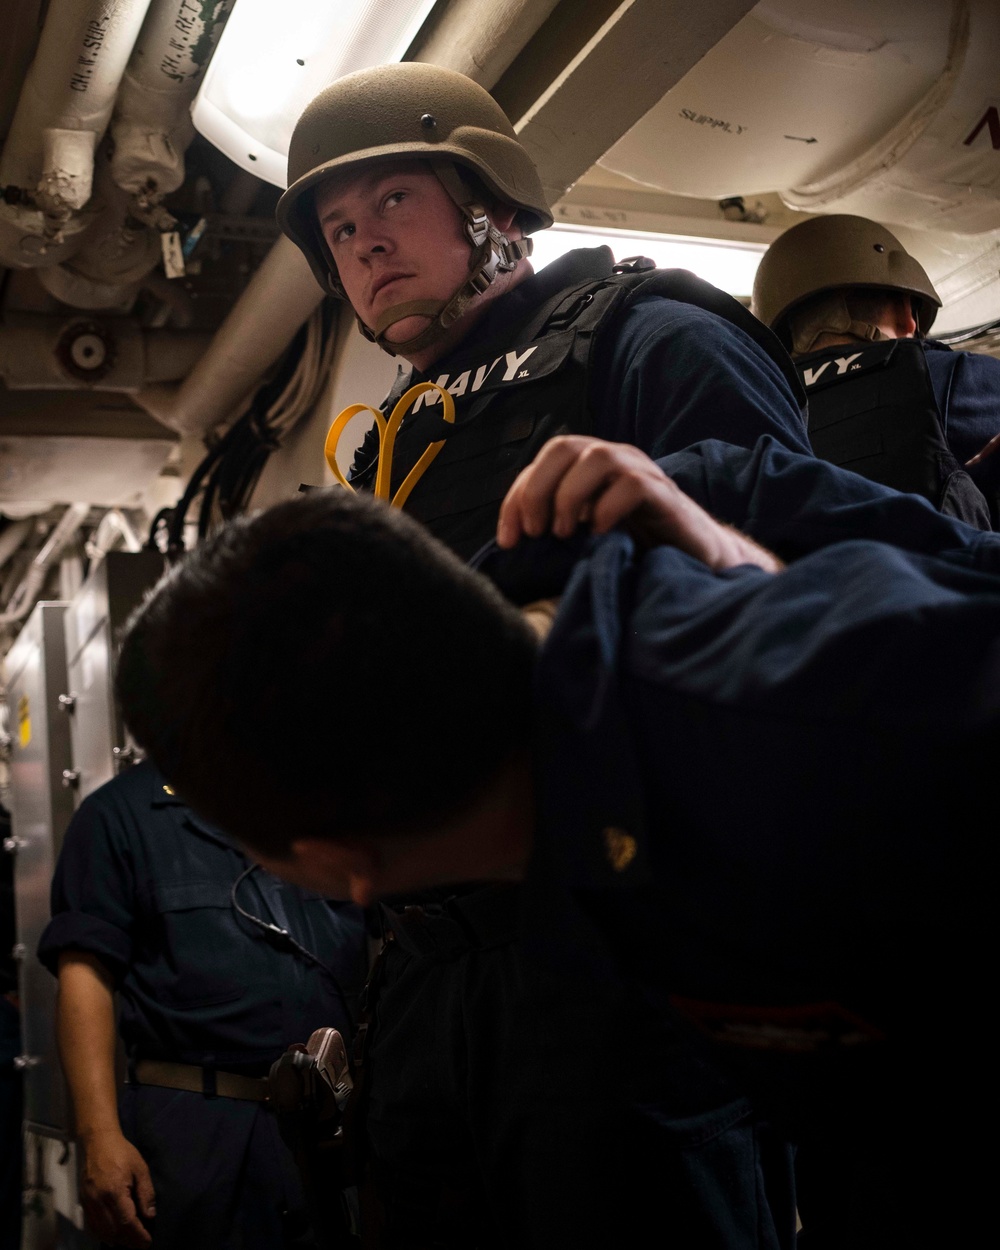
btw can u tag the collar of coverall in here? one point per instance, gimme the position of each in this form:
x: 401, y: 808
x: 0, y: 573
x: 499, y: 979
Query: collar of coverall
x: 831, y: 316
x: 491, y: 253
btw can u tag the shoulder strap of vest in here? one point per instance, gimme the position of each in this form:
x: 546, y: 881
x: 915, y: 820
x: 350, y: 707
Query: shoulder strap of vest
x: 687, y: 288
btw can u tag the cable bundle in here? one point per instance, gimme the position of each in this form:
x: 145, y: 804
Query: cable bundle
x: 228, y: 474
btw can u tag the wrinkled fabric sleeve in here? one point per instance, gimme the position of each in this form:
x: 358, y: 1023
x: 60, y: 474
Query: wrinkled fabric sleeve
x: 93, y: 891
x: 795, y: 504
x: 672, y: 374
x: 967, y: 389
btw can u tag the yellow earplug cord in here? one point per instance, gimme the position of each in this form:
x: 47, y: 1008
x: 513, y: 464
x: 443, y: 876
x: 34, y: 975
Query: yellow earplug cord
x: 387, y: 431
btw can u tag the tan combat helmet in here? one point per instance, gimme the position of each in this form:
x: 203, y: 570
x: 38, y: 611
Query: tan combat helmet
x: 408, y: 109
x: 831, y: 253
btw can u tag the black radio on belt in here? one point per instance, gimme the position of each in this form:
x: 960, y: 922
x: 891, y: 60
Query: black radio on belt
x: 308, y: 1089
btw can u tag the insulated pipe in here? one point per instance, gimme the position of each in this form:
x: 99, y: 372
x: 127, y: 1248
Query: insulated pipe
x: 263, y: 321
x: 63, y: 110
x: 114, y: 258
x: 113, y: 525
x: 152, y: 126
x: 480, y: 40
x: 23, y: 599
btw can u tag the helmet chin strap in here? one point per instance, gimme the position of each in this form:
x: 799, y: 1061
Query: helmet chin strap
x: 492, y: 253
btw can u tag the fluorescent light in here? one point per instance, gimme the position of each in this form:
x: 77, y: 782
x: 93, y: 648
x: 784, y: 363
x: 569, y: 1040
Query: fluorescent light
x: 730, y: 266
x: 273, y: 58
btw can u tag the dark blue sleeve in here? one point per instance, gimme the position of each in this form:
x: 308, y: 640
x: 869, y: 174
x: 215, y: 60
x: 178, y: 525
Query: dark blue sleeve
x: 93, y: 890
x: 798, y: 504
x: 967, y: 389
x: 671, y: 374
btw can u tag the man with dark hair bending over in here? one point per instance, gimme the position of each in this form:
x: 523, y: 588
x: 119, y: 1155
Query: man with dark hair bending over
x: 744, y: 772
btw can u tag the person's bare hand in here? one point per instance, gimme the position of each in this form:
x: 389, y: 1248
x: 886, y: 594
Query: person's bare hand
x: 577, y: 480
x: 116, y: 1190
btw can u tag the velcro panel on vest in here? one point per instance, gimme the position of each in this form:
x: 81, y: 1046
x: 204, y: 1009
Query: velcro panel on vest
x: 873, y: 410
x: 484, y: 452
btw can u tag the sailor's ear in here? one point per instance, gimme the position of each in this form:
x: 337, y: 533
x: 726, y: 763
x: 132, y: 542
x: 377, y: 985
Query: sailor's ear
x: 502, y: 216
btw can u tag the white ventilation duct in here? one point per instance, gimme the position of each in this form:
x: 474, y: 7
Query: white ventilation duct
x: 939, y: 166
x: 889, y: 110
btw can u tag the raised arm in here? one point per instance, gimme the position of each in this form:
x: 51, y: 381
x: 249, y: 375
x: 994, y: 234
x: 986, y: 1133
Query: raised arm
x: 577, y: 480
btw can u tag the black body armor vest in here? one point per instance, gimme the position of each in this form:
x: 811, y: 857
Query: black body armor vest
x: 514, y: 392
x: 872, y: 410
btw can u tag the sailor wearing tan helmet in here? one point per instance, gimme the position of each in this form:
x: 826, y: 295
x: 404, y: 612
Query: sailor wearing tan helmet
x: 854, y: 308
x: 412, y: 197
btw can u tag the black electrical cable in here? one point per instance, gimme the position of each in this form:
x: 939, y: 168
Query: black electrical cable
x: 275, y: 932
x: 228, y: 474
x: 249, y: 443
x: 175, y: 532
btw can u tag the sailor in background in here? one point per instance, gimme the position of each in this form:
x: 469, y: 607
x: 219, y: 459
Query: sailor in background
x: 854, y: 308
x: 412, y: 198
x: 217, y: 967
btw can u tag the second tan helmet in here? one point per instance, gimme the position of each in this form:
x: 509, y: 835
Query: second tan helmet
x: 837, y: 251
x: 405, y: 109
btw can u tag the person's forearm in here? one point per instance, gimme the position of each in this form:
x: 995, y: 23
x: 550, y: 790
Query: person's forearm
x: 85, y: 1031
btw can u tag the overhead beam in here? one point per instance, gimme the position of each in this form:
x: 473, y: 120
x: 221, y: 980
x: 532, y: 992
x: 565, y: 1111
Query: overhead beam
x: 644, y: 48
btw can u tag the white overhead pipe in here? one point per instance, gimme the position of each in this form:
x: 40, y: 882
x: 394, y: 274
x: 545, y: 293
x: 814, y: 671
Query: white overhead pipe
x: 276, y: 302
x: 113, y: 259
x: 152, y: 127
x: 23, y: 599
x: 480, y: 40
x: 63, y: 110
x: 112, y: 528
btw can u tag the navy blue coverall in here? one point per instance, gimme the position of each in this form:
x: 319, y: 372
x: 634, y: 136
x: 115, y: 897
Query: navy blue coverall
x: 967, y: 389
x: 147, y: 887
x: 763, y: 791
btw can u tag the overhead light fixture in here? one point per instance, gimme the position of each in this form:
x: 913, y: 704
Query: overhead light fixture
x: 728, y: 265
x: 273, y: 58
